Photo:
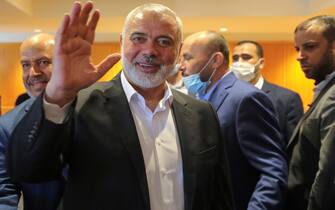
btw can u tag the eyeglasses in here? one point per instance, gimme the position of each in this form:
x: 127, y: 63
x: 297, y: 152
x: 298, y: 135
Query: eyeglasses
x: 41, y: 64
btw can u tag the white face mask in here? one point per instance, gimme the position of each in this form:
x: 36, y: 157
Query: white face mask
x: 244, y: 70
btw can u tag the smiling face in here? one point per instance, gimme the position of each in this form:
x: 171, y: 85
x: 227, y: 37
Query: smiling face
x: 36, y: 59
x: 150, y: 46
x: 315, y: 53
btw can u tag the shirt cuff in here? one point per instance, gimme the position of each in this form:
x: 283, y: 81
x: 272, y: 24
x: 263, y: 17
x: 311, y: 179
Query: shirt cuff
x: 55, y: 113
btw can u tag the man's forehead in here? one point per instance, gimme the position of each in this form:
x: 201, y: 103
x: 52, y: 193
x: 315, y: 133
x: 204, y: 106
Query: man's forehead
x: 151, y: 18
x: 308, y: 36
x: 245, y: 48
x: 35, y: 54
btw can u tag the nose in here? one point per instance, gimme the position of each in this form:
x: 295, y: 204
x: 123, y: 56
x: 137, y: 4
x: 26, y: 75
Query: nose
x: 34, y: 70
x: 182, y: 66
x: 300, y: 55
x: 150, y: 50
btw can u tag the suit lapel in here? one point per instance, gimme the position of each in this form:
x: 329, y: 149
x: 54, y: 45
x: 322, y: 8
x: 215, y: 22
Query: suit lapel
x: 266, y: 88
x: 185, y: 124
x: 220, y: 93
x: 309, y: 111
x: 120, y: 110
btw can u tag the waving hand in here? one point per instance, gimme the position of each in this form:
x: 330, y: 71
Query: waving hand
x: 72, y: 66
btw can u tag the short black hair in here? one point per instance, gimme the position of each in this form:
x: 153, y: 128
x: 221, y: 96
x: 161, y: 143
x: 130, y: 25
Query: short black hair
x: 259, y: 48
x: 325, y: 22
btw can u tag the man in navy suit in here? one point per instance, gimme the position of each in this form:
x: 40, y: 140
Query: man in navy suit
x: 248, y: 122
x: 248, y: 62
x: 36, y: 58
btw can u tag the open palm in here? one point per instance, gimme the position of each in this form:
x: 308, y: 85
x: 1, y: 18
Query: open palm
x: 72, y: 66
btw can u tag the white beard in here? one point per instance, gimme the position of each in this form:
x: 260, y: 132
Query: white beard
x: 145, y: 80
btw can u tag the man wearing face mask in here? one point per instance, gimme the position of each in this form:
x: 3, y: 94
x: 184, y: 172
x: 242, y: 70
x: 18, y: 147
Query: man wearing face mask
x: 248, y: 122
x: 248, y: 62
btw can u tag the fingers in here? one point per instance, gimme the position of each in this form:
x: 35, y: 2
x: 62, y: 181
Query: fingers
x: 74, y: 20
x: 92, y: 26
x: 84, y: 14
x: 61, y: 32
x: 79, y: 25
x: 107, y: 63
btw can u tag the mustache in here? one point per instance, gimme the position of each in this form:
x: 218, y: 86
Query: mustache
x: 150, y: 60
x: 304, y: 64
x: 38, y: 79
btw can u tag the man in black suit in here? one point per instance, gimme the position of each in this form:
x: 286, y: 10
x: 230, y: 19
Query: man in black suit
x: 248, y: 62
x: 311, y: 181
x: 132, y: 143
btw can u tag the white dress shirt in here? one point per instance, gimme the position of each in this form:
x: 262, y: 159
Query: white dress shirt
x: 159, y: 142
x: 259, y: 83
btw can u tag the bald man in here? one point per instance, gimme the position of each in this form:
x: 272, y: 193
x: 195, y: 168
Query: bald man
x: 248, y: 123
x: 36, y: 59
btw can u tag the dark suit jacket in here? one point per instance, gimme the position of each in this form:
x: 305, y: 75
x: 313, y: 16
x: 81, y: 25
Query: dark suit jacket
x: 288, y: 106
x: 44, y: 196
x: 254, y: 146
x: 312, y: 150
x: 101, y: 146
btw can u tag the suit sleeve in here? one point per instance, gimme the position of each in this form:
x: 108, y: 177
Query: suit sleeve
x: 322, y: 195
x: 294, y: 112
x: 36, y: 147
x: 9, y: 193
x: 263, y: 147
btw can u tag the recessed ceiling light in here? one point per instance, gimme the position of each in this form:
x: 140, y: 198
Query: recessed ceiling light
x: 223, y: 29
x: 37, y: 30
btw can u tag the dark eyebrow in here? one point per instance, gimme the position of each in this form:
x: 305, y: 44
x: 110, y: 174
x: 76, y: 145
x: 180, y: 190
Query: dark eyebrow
x: 38, y: 59
x: 310, y: 42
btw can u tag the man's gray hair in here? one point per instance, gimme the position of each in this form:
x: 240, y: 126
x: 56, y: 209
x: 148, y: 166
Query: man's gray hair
x: 155, y: 8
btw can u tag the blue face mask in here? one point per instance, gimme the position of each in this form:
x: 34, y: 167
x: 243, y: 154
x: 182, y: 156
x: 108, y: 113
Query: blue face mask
x: 193, y: 82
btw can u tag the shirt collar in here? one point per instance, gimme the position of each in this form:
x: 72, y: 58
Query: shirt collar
x: 259, y: 83
x: 317, y: 89
x: 132, y: 93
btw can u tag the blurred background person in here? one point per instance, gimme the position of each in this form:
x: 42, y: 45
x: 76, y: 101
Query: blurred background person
x: 176, y: 80
x: 249, y: 125
x: 311, y: 149
x: 36, y: 54
x: 248, y: 62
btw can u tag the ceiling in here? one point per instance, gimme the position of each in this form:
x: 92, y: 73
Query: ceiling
x: 245, y: 19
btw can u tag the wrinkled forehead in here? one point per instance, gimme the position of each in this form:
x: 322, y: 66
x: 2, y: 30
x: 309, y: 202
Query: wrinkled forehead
x: 153, y: 20
x: 33, y: 50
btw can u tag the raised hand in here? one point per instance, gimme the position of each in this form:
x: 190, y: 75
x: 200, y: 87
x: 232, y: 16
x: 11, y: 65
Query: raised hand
x: 72, y: 66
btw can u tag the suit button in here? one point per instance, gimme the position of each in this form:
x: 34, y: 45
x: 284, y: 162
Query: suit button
x: 30, y: 137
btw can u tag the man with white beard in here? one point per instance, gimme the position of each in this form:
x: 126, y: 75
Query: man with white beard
x: 132, y: 143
